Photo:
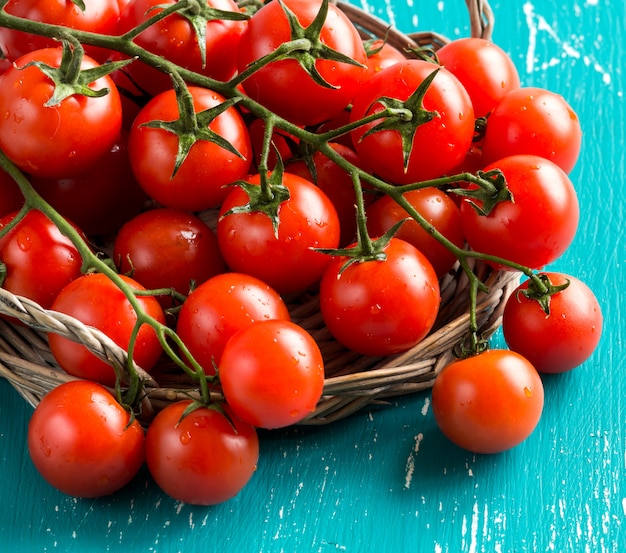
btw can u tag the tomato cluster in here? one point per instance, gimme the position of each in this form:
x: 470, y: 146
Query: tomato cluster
x: 228, y: 163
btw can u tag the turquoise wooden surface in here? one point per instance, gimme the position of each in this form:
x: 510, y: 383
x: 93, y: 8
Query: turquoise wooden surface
x: 386, y: 479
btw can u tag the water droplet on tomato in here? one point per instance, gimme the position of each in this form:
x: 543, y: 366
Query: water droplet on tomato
x: 527, y: 391
x: 185, y: 438
x: 45, y: 446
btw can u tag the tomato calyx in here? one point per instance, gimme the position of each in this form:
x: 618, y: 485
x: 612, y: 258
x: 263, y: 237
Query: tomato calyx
x: 491, y: 189
x: 541, y: 290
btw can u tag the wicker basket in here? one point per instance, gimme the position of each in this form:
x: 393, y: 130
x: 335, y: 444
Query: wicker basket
x: 352, y: 381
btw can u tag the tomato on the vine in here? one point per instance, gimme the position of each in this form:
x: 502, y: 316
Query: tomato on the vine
x: 199, y: 183
x: 536, y: 227
x: 381, y: 307
x: 60, y: 140
x: 488, y: 403
x: 83, y: 442
x: 203, y: 457
x: 272, y: 373
x: 95, y: 300
x: 381, y: 54
x: 564, y: 338
x: 221, y: 306
x: 438, y: 133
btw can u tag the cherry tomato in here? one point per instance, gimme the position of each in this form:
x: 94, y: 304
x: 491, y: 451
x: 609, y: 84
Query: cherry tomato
x: 307, y: 220
x: 381, y: 307
x: 221, y: 306
x: 488, y: 403
x: 83, y: 442
x: 95, y: 300
x: 538, y: 226
x: 176, y: 39
x: 275, y: 84
x: 272, y: 373
x: 38, y: 259
x: 534, y: 121
x: 11, y: 198
x: 167, y: 248
x: 380, y: 55
x: 486, y: 71
x: 437, y: 145
x: 55, y: 141
x: 203, y: 457
x: 437, y: 208
x: 200, y: 181
x: 563, y: 339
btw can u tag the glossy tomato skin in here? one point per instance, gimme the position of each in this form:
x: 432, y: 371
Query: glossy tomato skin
x: 538, y: 226
x: 202, y: 458
x: 55, y: 141
x: 283, y: 86
x: 39, y: 260
x: 486, y: 71
x: 437, y: 208
x: 167, y: 248
x: 220, y: 307
x: 83, y: 442
x: 533, y: 120
x: 381, y: 307
x: 174, y: 38
x: 380, y: 55
x: 438, y: 145
x: 99, y: 16
x: 200, y: 181
x: 272, y: 374
x: 96, y: 301
x: 562, y: 340
x: 489, y: 402
x: 286, y: 262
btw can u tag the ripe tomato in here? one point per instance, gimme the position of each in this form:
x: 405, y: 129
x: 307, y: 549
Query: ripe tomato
x: 380, y: 55
x: 55, y: 141
x: 489, y: 402
x: 200, y: 180
x: 381, y: 307
x: 11, y: 198
x: 176, y: 39
x: 202, y: 458
x: 98, y: 16
x: 541, y: 222
x: 274, y: 84
x: 221, y: 306
x: 38, y: 259
x: 563, y: 339
x: 438, y: 145
x: 534, y: 121
x: 167, y: 248
x: 286, y: 260
x: 92, y: 199
x: 485, y: 70
x: 272, y: 373
x: 437, y: 208
x: 95, y: 300
x: 83, y: 442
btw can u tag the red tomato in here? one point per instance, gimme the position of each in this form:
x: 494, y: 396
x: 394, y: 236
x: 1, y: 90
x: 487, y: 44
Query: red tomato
x: 538, y: 226
x: 533, y: 121
x: 175, y: 39
x: 272, y: 374
x: 167, y: 248
x: 437, y: 208
x: 38, y: 259
x: 95, y: 300
x: 83, y: 442
x: 381, y: 55
x: 438, y: 145
x: 286, y: 260
x: 202, y: 458
x: 221, y: 306
x: 11, y: 198
x: 100, y: 199
x: 485, y: 70
x: 200, y: 180
x: 280, y: 140
x: 562, y: 340
x: 99, y: 16
x: 275, y: 84
x: 489, y: 402
x: 381, y: 307
x: 55, y: 141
